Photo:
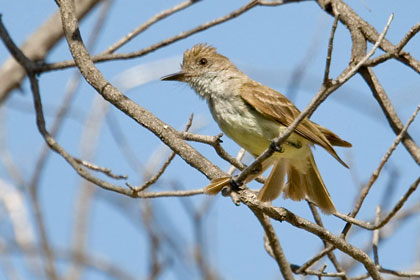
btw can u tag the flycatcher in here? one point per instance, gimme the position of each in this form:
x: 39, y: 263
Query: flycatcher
x: 253, y: 114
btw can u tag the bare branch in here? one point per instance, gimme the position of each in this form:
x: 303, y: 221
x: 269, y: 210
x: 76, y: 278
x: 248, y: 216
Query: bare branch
x: 282, y: 214
x: 322, y: 94
x: 165, y: 132
x: 170, y: 193
x: 331, y: 254
x: 398, y: 48
x: 147, y: 24
x: 391, y: 214
x: 239, y: 158
x: 330, y: 49
x: 106, y: 57
x: 387, y: 155
x: 274, y: 243
x: 103, y: 170
x: 375, y: 237
x: 159, y: 173
x: 37, y: 47
x: 389, y: 111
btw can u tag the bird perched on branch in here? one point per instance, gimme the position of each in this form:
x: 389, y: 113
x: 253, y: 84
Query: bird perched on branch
x: 253, y: 114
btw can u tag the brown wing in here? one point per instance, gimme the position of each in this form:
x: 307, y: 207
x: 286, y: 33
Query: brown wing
x: 274, y: 105
x: 333, y: 138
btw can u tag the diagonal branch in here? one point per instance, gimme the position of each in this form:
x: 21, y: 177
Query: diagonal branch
x: 143, y: 117
x: 322, y: 94
x: 108, y: 56
x: 275, y: 246
x: 389, y: 111
x: 148, y: 23
x: 282, y: 214
x: 37, y: 47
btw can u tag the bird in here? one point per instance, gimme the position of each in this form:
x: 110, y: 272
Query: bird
x: 252, y: 115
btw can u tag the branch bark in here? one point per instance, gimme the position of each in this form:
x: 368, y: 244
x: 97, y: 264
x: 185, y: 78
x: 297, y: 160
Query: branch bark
x: 37, y: 47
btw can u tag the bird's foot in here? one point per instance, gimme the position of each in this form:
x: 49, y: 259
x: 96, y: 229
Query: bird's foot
x: 276, y: 148
x: 297, y: 145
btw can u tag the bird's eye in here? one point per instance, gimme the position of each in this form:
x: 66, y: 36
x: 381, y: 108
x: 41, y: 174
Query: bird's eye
x: 203, y: 61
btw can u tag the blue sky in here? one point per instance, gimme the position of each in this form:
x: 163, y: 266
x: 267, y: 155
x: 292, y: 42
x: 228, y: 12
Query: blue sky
x: 267, y: 43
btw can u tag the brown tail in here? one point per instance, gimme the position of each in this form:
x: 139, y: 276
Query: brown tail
x: 333, y: 138
x: 216, y: 185
x: 303, y: 181
x: 307, y: 184
x: 274, y: 183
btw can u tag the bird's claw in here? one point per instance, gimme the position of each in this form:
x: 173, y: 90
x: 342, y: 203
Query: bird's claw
x: 277, y: 148
x: 297, y: 145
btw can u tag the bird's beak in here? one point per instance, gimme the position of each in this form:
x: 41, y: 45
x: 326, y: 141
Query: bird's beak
x: 179, y: 76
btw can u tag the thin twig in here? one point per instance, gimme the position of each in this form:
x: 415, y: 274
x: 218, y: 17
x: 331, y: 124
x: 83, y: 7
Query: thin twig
x: 159, y: 173
x: 28, y: 65
x: 330, y: 49
x: 322, y: 94
x: 375, y: 237
x: 275, y: 246
x: 398, y: 48
x: 400, y: 273
x: 385, y: 158
x: 170, y: 193
x: 215, y: 141
x: 331, y: 255
x: 389, y: 111
x: 239, y: 158
x: 103, y: 170
x: 384, y: 221
x: 319, y: 273
x: 282, y: 214
x: 107, y: 57
x: 161, y: 15
x: 317, y: 257
x: 372, y: 51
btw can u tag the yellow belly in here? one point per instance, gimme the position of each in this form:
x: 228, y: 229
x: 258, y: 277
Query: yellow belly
x: 254, y: 132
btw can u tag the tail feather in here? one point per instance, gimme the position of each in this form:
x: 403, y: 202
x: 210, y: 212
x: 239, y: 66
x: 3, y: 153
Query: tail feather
x: 333, y: 138
x: 308, y: 183
x: 216, y: 185
x: 295, y: 188
x: 274, y: 183
x: 303, y: 181
x: 318, y: 193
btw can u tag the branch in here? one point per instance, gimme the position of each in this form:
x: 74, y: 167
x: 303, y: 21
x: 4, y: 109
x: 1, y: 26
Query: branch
x: 274, y: 243
x: 322, y: 94
x: 143, y: 117
x: 331, y: 255
x: 147, y: 24
x: 28, y: 64
x: 185, y: 148
x: 159, y: 173
x: 358, y: 26
x: 97, y: 168
x: 215, y: 141
x: 389, y: 111
x: 398, y: 48
x: 385, y: 158
x: 384, y: 221
x: 106, y: 57
x: 329, y: 52
x: 36, y: 48
x: 375, y: 237
x: 282, y: 214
